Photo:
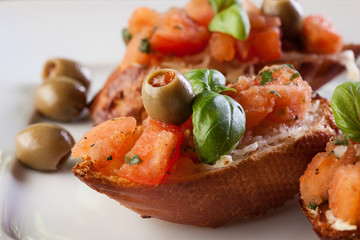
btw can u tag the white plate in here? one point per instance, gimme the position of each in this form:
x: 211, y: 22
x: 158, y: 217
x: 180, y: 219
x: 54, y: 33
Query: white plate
x: 35, y: 205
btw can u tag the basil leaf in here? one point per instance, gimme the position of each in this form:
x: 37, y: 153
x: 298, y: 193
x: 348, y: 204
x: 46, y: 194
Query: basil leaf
x: 345, y: 103
x: 219, y: 124
x: 233, y: 21
x: 207, y: 80
x: 218, y: 5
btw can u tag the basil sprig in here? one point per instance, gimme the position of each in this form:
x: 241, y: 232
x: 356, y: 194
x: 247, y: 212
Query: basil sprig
x: 231, y: 18
x: 207, y: 79
x: 345, y: 103
x: 218, y: 120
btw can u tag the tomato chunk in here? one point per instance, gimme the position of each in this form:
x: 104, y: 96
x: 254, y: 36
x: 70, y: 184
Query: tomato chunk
x: 153, y: 155
x: 143, y: 20
x: 178, y: 34
x: 320, y: 36
x: 134, y: 54
x: 107, y: 143
x: 263, y: 43
x: 200, y: 11
x: 222, y: 46
x: 344, y: 194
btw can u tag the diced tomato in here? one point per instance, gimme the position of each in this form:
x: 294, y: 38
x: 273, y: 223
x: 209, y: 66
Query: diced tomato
x: 222, y: 46
x: 344, y: 194
x: 178, y: 34
x: 107, y: 143
x: 133, y: 54
x: 200, y: 11
x: 263, y: 42
x: 154, y: 154
x: 315, y: 183
x: 143, y: 20
x: 320, y: 36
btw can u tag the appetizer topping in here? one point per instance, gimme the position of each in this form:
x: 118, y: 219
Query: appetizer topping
x: 218, y: 120
x: 134, y: 160
x: 339, y: 151
x: 110, y: 138
x: 43, y: 146
x: 58, y: 67
x: 176, y: 33
x: 278, y: 93
x: 290, y: 13
x: 167, y: 96
x: 145, y: 46
x: 154, y: 153
x: 320, y: 36
x: 312, y: 206
x: 126, y: 36
x: 146, y: 155
x: 341, y: 140
x: 344, y: 193
x: 337, y: 223
x: 347, y: 118
x: 231, y: 18
x: 60, y: 98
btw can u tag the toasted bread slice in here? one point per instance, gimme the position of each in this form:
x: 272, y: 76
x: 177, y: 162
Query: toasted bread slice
x: 323, y: 227
x: 121, y: 95
x: 263, y: 175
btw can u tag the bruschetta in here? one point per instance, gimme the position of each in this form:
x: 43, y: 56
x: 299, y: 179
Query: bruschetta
x: 330, y: 186
x: 185, y: 38
x: 160, y: 170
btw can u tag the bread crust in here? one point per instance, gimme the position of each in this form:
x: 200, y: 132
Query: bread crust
x: 321, y: 226
x: 121, y: 95
x: 247, y: 188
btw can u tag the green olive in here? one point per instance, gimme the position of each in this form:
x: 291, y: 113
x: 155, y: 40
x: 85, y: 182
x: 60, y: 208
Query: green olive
x: 43, y: 146
x: 57, y: 67
x: 167, y: 96
x: 289, y: 11
x: 61, y: 99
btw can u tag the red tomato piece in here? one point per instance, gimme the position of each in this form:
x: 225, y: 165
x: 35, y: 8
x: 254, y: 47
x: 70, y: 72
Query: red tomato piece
x: 200, y: 11
x: 320, y: 36
x: 178, y: 34
x: 263, y: 43
x: 154, y: 154
x: 222, y: 47
x: 107, y: 143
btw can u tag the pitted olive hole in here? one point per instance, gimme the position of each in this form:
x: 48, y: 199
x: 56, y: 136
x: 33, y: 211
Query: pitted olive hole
x: 162, y: 78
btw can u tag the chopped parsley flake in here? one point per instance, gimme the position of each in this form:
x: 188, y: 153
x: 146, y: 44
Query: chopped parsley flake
x: 266, y: 76
x: 133, y: 160
x: 290, y: 65
x: 312, y: 206
x: 126, y: 36
x: 275, y: 92
x: 296, y: 117
x: 344, y: 141
x: 295, y: 75
x: 92, y: 145
x: 108, y: 158
x: 331, y: 152
x: 145, y: 46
